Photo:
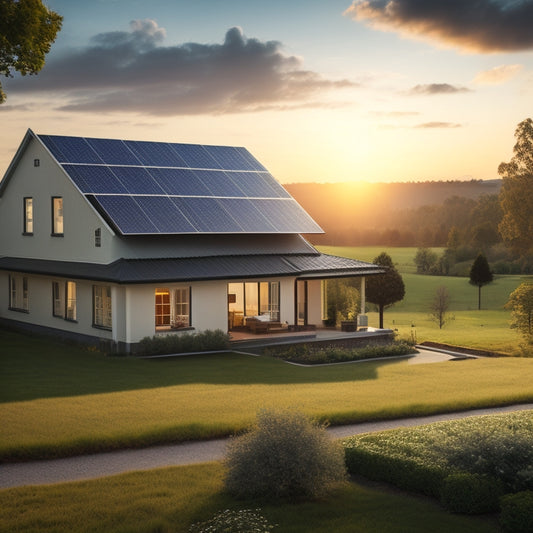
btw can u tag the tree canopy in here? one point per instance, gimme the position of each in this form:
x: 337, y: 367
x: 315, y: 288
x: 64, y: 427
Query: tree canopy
x: 386, y: 289
x: 480, y: 275
x: 521, y: 305
x: 27, y: 30
x: 516, y: 195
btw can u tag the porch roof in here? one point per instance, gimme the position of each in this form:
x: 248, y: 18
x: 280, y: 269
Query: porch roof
x: 131, y: 271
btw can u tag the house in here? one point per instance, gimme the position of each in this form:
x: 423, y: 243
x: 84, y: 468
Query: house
x: 106, y: 240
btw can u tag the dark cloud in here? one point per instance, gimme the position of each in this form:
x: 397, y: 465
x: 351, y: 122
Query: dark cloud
x: 471, y: 25
x: 437, y: 88
x: 131, y: 71
x: 438, y: 125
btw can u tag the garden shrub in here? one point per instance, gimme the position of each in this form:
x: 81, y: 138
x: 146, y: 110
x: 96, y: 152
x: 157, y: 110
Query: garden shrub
x: 470, y: 494
x: 285, y: 456
x: 242, y: 521
x: 517, y: 512
x: 205, y: 341
x: 503, y: 454
x: 402, y: 472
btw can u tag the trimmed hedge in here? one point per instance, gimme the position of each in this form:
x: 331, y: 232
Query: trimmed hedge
x: 517, y: 512
x: 205, y: 341
x: 471, y: 494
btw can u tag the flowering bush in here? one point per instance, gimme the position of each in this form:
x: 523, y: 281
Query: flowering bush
x: 228, y: 521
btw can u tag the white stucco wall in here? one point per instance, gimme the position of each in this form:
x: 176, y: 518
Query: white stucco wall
x: 80, y: 220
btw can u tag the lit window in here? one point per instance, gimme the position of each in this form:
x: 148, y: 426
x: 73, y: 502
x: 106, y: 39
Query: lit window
x: 57, y: 215
x: 102, y: 306
x: 71, y: 300
x: 28, y: 216
x: 18, y: 293
x: 162, y: 308
x: 58, y: 308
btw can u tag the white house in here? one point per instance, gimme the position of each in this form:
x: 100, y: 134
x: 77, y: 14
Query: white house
x: 111, y: 240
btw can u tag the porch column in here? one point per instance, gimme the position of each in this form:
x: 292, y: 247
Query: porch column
x: 363, y: 296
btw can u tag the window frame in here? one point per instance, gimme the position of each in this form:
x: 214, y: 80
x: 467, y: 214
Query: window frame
x: 71, y: 305
x: 27, y: 221
x: 103, y: 312
x: 58, y: 305
x: 166, y: 302
x: 19, y: 299
x: 57, y: 215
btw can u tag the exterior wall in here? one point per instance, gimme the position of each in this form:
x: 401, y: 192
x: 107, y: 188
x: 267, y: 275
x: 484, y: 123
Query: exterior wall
x: 314, y: 302
x: 80, y: 220
x: 40, y: 311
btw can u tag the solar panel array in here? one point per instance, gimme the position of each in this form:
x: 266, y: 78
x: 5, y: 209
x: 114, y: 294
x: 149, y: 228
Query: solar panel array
x: 156, y: 187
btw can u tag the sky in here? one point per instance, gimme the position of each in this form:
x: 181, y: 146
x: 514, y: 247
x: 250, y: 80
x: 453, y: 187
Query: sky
x: 317, y: 90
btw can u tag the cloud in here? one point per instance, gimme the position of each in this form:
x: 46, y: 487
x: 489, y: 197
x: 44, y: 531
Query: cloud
x: 132, y: 72
x: 436, y: 88
x: 480, y: 26
x: 438, y: 125
x: 497, y: 75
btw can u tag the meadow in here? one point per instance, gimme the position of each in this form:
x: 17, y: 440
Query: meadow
x: 487, y: 328
x: 59, y: 400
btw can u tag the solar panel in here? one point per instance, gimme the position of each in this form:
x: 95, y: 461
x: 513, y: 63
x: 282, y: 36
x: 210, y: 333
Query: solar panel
x: 144, y: 187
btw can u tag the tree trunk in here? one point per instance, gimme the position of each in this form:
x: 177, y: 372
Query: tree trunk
x: 479, y: 298
x: 381, y: 308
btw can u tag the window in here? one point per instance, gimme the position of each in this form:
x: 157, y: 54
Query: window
x: 98, y: 237
x: 57, y: 216
x: 102, y: 314
x: 172, y: 308
x: 28, y: 216
x: 71, y: 301
x: 162, y: 308
x: 251, y: 299
x: 58, y: 307
x: 182, y: 305
x: 18, y: 293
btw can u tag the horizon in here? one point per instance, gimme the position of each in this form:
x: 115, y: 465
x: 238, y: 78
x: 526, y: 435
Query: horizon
x: 338, y: 92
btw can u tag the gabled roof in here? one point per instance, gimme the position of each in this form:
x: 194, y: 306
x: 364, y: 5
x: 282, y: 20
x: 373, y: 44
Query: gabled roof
x: 303, y: 266
x: 150, y: 188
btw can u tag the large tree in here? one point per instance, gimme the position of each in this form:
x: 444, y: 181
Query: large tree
x: 521, y: 305
x: 480, y: 275
x: 27, y: 30
x: 516, y: 194
x: 386, y: 289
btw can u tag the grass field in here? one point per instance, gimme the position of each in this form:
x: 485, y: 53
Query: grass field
x: 486, y: 329
x: 169, y: 500
x: 60, y: 400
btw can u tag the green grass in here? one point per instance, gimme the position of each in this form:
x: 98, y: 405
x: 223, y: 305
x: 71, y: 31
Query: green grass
x: 169, y: 500
x: 487, y: 328
x: 60, y: 400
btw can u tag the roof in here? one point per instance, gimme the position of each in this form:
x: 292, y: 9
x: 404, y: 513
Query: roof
x: 158, y: 188
x: 130, y: 271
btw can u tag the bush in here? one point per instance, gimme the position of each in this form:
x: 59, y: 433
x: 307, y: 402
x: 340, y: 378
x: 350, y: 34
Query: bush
x: 517, y: 512
x: 243, y: 521
x: 470, y: 494
x: 285, y: 456
x: 206, y: 341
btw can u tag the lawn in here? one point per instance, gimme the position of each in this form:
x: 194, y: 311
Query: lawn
x: 487, y: 328
x: 59, y: 400
x: 169, y: 500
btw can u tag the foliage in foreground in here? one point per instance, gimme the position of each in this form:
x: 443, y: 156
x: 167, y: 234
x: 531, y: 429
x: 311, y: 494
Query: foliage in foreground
x: 497, y: 449
x: 285, y: 456
x: 230, y: 521
x: 310, y: 354
x: 517, y: 512
x: 205, y: 341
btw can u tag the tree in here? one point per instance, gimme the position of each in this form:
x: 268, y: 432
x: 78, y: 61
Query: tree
x: 516, y: 194
x: 425, y: 259
x: 480, y: 275
x: 521, y: 305
x: 27, y: 31
x: 386, y: 289
x: 439, y: 306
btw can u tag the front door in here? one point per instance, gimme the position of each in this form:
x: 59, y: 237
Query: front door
x: 301, y: 302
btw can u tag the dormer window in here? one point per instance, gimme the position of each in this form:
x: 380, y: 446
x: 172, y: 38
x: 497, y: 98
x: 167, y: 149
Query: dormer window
x: 28, y: 216
x: 57, y: 216
x: 98, y: 237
